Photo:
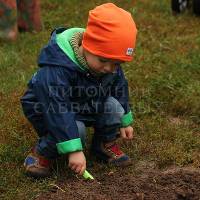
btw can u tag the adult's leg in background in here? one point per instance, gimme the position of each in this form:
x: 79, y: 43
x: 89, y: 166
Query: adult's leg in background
x: 8, y: 20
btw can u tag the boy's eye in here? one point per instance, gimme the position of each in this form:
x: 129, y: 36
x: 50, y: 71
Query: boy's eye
x: 103, y: 60
x: 117, y: 63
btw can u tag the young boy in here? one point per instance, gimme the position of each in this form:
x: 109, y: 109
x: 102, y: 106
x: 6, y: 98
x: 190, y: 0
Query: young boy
x: 80, y: 83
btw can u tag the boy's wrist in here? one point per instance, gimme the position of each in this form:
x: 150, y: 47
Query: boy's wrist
x: 69, y: 146
x: 127, y: 119
x: 75, y: 152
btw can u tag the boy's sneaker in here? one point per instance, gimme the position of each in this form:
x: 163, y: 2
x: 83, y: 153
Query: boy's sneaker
x: 37, y: 166
x: 110, y: 153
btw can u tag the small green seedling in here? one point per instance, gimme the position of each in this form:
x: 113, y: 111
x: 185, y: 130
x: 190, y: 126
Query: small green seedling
x: 87, y: 175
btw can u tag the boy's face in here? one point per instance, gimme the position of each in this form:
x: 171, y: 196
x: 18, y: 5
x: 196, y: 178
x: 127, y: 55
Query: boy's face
x: 99, y: 64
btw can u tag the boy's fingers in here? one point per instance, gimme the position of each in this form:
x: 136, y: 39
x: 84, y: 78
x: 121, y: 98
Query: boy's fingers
x: 73, y: 167
x: 69, y: 165
x: 82, y: 170
x: 123, y: 133
x: 129, y: 133
x: 78, y: 169
x: 130, y: 136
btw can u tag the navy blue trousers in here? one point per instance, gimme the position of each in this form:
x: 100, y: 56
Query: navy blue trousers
x: 106, y: 125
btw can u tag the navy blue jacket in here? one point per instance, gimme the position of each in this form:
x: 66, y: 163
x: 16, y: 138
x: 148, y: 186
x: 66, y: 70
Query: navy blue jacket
x: 63, y: 89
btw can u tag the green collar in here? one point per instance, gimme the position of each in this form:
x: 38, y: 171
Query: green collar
x: 63, y: 40
x: 69, y: 41
x: 75, y: 42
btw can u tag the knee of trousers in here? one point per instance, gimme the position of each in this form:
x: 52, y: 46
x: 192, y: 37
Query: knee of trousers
x: 46, y: 145
x: 114, y: 109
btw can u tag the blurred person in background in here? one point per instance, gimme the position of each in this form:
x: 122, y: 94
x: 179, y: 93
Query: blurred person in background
x: 20, y: 15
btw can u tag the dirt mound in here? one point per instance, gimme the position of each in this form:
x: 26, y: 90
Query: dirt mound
x: 174, y: 184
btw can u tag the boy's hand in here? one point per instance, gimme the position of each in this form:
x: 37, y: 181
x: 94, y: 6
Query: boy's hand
x: 77, y: 162
x: 127, y: 133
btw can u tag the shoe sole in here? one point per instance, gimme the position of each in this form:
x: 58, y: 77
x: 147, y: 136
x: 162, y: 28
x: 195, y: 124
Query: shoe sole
x: 36, y: 176
x: 122, y: 164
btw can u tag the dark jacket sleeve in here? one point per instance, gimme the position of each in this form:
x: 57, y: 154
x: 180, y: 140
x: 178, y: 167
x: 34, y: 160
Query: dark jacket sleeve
x: 121, y: 93
x: 51, y: 86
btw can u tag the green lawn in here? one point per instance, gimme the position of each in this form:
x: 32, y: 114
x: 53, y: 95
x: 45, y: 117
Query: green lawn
x: 164, y: 85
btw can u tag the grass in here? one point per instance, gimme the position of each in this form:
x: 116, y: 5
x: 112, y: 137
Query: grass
x: 164, y: 85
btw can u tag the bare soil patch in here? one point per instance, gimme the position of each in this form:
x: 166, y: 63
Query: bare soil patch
x: 171, y: 184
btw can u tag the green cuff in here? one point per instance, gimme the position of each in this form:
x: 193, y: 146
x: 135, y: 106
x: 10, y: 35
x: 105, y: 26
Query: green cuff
x: 127, y: 119
x: 69, y: 146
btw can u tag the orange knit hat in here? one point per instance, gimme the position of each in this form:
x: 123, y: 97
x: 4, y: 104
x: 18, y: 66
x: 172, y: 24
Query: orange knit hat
x: 110, y: 33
